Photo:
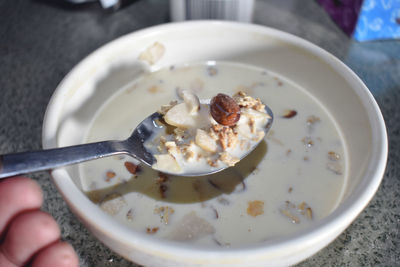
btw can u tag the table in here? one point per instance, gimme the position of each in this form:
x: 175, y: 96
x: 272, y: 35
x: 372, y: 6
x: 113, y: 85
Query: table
x: 41, y: 40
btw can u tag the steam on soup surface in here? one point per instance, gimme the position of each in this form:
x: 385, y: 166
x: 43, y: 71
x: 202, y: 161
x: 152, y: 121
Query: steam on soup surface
x: 295, y: 177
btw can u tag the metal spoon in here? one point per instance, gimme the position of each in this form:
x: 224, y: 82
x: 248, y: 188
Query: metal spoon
x: 27, y: 162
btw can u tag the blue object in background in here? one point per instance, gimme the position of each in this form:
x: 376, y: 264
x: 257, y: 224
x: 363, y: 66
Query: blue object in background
x: 378, y: 19
x: 366, y: 20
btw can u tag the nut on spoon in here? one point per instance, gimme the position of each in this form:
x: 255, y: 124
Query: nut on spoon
x: 33, y: 161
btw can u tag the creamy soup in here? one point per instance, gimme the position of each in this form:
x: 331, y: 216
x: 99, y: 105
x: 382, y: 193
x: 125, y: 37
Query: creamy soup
x: 293, y: 178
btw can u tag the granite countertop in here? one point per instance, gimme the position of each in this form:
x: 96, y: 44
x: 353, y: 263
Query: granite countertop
x: 41, y: 40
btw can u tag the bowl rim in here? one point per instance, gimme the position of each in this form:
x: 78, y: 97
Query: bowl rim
x: 327, y: 228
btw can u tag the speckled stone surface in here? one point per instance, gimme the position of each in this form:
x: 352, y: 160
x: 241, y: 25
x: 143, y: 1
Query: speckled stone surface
x: 41, y: 40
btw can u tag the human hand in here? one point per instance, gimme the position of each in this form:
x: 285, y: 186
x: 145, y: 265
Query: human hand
x: 28, y: 235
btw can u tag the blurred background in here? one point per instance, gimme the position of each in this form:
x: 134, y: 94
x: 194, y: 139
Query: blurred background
x: 41, y: 40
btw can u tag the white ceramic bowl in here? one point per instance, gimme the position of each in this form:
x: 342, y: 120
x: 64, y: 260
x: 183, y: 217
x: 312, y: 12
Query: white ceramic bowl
x: 335, y: 85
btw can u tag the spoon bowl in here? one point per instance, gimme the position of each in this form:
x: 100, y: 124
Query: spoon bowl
x: 33, y: 161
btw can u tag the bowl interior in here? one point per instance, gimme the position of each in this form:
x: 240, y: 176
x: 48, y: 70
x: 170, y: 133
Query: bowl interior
x: 115, y: 65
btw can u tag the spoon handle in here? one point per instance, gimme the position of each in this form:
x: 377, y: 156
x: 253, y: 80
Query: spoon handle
x: 26, y: 162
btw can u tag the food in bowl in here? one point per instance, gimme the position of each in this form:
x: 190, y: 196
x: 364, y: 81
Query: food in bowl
x: 195, y: 138
x: 287, y: 184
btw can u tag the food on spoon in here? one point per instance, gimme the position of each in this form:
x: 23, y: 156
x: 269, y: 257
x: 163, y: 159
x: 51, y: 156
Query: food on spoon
x: 192, y: 101
x: 205, y: 141
x: 207, y: 137
x: 225, y: 110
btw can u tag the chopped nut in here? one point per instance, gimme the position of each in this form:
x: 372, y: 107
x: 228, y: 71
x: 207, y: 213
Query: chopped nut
x: 152, y: 230
x: 164, y: 212
x: 188, y: 151
x: 292, y: 217
x: 333, y: 156
x: 226, y: 137
x: 180, y: 134
x: 213, y: 133
x: 302, y: 205
x: 288, y: 114
x: 131, y: 167
x: 212, y: 162
x: 228, y: 159
x: 110, y: 175
x: 189, y: 155
x: 255, y: 208
x: 172, y: 148
x: 217, y: 128
x: 245, y: 101
x: 294, y: 212
x: 311, y: 122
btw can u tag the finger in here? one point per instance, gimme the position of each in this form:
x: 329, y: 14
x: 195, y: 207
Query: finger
x: 60, y: 254
x: 29, y: 232
x: 16, y: 195
x: 4, y: 262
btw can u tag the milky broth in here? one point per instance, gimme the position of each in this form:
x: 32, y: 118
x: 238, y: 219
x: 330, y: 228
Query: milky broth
x: 295, y: 177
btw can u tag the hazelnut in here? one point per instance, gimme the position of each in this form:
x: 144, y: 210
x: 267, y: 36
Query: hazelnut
x: 224, y: 110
